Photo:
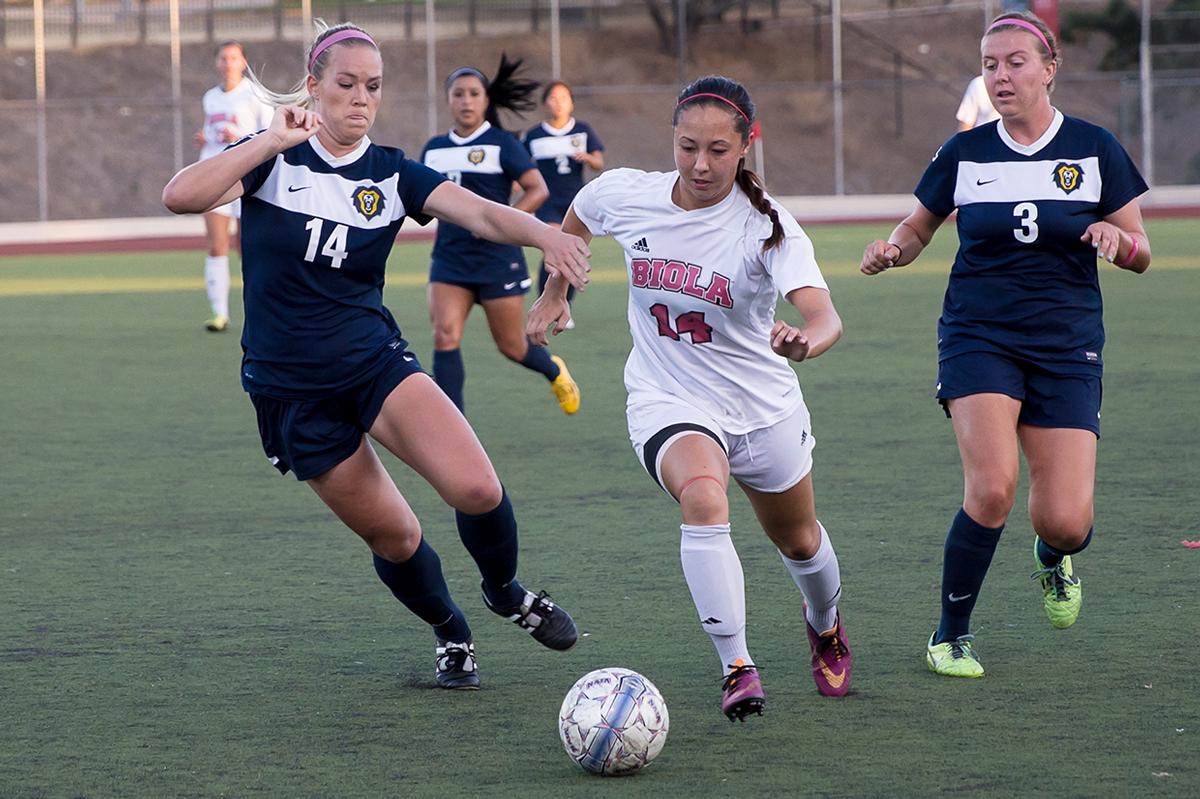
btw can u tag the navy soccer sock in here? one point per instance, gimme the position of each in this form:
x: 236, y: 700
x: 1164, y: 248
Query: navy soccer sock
x: 449, y: 374
x: 418, y: 584
x: 965, y: 561
x: 537, y: 358
x: 543, y: 276
x: 491, y: 538
x: 1051, y: 557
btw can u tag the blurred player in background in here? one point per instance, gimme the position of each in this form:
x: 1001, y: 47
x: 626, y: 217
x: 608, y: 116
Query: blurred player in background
x: 1039, y: 197
x: 232, y: 110
x: 561, y: 146
x: 325, y: 364
x: 483, y: 158
x: 711, y: 391
x: 976, y: 107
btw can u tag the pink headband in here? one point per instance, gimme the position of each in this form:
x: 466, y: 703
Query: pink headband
x: 340, y: 36
x: 725, y: 100
x: 1020, y: 23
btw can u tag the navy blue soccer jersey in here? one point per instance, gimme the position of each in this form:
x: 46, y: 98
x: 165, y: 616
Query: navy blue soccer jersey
x: 1023, y: 284
x: 316, y: 233
x: 487, y: 162
x: 552, y: 149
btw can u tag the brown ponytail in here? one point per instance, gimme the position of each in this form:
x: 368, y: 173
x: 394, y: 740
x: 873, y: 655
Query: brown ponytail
x: 727, y: 93
x: 752, y: 185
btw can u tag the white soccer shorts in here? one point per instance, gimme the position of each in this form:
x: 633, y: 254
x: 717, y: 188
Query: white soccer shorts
x: 770, y: 459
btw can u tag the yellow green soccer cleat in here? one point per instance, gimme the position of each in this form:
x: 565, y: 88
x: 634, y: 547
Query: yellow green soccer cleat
x: 218, y: 324
x: 954, y: 658
x: 1062, y: 591
x: 566, y: 390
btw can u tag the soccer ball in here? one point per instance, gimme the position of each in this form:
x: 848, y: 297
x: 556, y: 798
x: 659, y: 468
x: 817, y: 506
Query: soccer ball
x: 613, y: 721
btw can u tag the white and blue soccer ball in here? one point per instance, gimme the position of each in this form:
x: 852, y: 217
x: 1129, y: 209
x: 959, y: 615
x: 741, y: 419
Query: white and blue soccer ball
x: 613, y: 722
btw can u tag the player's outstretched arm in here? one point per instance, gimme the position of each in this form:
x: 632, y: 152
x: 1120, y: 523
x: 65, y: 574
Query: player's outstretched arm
x: 551, y: 311
x: 1120, y: 238
x: 822, y: 326
x: 215, y: 181
x: 565, y: 254
x: 907, y: 241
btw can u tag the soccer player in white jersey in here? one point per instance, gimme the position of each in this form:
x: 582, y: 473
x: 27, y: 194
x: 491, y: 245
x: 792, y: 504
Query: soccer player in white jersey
x: 232, y: 110
x: 711, y: 392
x: 1039, y: 196
x: 325, y: 364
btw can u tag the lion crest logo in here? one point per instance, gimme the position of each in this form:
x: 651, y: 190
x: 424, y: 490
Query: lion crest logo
x: 476, y: 156
x: 1068, y: 177
x: 368, y: 201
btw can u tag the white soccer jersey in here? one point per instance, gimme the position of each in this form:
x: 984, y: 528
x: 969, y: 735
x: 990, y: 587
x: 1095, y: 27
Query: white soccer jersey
x: 702, y: 296
x: 240, y: 111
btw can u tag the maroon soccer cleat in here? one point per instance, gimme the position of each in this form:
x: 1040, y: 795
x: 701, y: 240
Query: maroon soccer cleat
x: 743, y: 693
x: 831, y: 659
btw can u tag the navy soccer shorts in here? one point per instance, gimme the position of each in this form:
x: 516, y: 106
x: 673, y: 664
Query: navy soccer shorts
x: 310, y: 437
x: 514, y: 287
x: 1048, y: 399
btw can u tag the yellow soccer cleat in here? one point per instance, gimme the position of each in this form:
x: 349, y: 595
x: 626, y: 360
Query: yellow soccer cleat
x: 954, y: 658
x: 566, y: 390
x: 1062, y: 591
x: 218, y: 324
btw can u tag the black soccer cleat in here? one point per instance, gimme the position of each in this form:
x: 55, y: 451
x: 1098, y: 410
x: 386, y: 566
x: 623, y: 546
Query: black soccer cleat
x: 456, y: 668
x: 549, y: 624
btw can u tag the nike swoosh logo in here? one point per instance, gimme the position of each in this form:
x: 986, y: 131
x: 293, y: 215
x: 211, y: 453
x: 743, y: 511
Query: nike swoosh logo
x: 510, y: 286
x: 985, y: 182
x: 297, y: 188
x: 834, y: 680
x: 954, y: 598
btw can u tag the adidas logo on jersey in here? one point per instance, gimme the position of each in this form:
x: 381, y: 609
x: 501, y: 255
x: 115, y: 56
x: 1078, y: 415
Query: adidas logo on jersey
x: 640, y: 245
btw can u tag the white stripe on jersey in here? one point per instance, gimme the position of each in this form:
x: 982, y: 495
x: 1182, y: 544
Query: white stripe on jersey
x: 554, y: 146
x: 1024, y: 181
x: 478, y: 158
x: 328, y: 196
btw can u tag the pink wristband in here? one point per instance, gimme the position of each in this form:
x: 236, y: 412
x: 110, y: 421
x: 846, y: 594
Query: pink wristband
x: 1132, y: 253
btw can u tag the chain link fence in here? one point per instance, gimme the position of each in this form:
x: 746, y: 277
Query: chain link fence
x: 112, y: 127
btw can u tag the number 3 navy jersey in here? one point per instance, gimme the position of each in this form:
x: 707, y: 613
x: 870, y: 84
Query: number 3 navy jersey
x: 316, y: 233
x: 486, y: 163
x: 1023, y: 284
x: 553, y: 149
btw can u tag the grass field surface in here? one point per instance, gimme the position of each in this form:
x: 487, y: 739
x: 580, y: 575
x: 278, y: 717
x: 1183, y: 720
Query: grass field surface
x: 178, y: 620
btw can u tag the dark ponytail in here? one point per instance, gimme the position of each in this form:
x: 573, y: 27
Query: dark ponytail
x: 504, y: 90
x: 732, y: 96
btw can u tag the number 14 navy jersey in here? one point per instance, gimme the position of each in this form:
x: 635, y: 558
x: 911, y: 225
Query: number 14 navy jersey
x: 1023, y: 284
x: 316, y: 233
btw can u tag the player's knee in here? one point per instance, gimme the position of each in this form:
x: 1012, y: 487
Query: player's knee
x: 704, y: 501
x: 514, y: 349
x: 396, y: 543
x: 446, y: 336
x: 802, y: 543
x: 989, y: 502
x: 1064, y: 529
x: 478, y: 496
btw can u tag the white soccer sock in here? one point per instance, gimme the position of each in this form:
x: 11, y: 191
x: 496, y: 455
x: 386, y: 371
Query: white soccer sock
x: 820, y: 580
x: 216, y: 282
x: 714, y: 576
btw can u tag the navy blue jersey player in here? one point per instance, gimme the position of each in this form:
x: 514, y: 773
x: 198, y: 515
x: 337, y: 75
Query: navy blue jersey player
x: 561, y: 146
x: 467, y: 269
x: 325, y: 364
x: 1040, y: 196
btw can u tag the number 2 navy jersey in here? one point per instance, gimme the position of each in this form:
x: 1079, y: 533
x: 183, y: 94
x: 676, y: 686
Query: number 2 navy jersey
x: 702, y: 296
x: 1023, y: 284
x: 552, y: 149
x: 316, y: 233
x: 486, y: 162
